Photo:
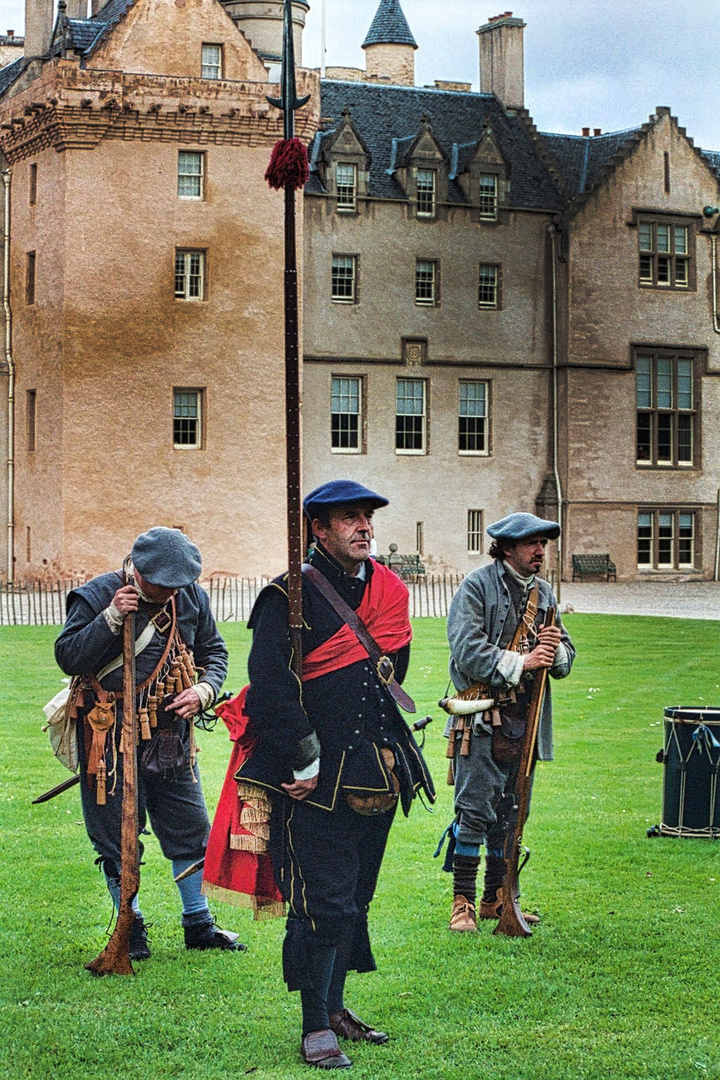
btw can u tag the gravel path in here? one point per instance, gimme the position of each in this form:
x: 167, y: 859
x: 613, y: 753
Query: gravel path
x: 678, y: 599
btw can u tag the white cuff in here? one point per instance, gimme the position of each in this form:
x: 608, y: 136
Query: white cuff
x: 114, y: 618
x: 510, y: 667
x: 561, y: 656
x: 206, y: 693
x: 309, y: 771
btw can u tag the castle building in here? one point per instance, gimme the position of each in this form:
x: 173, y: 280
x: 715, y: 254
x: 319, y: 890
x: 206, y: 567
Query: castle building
x: 494, y: 318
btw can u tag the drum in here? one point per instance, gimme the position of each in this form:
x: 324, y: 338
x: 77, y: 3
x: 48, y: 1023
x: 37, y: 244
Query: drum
x: 691, y: 759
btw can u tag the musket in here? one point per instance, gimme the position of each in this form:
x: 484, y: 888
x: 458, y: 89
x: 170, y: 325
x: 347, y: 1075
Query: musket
x: 289, y: 102
x: 57, y: 790
x: 511, y: 922
x: 115, y: 957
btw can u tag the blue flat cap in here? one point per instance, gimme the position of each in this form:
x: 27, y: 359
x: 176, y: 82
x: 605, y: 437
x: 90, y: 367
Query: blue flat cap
x: 166, y: 557
x: 337, y: 493
x: 516, y: 527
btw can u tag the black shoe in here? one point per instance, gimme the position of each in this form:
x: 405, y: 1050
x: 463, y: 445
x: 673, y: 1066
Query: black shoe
x: 139, y: 948
x: 207, y: 935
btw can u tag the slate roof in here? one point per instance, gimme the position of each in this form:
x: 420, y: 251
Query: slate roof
x: 712, y: 158
x: 86, y: 34
x: 382, y: 113
x: 389, y: 27
x: 10, y: 72
x: 581, y: 159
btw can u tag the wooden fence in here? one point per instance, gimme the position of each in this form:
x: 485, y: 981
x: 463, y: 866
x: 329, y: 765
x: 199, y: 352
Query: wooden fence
x: 43, y: 603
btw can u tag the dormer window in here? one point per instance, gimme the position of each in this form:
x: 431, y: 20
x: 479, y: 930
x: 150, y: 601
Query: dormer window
x: 488, y: 197
x: 426, y: 188
x: 346, y: 185
x: 211, y: 62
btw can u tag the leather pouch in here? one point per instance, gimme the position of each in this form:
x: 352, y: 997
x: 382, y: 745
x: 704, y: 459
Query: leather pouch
x: 378, y: 802
x: 507, y: 736
x: 165, y: 755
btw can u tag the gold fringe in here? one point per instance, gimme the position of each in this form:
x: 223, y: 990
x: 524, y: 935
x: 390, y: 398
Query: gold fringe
x: 262, y: 908
x: 254, y: 844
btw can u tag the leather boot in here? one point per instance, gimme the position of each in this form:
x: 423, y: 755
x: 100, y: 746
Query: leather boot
x: 491, y: 902
x: 462, y: 918
x: 491, y: 909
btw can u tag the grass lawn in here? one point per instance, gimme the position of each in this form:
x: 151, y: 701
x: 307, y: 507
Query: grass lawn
x: 619, y: 981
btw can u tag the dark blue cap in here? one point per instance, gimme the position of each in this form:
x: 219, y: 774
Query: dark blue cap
x: 517, y: 527
x: 166, y: 557
x: 339, y: 493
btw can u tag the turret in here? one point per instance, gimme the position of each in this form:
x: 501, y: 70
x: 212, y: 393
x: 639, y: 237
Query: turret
x: 261, y: 21
x: 390, y: 46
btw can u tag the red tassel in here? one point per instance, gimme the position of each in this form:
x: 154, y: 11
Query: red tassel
x: 288, y: 165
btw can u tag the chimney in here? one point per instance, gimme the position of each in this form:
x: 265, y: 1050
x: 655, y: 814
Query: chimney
x: 76, y: 9
x: 501, y: 59
x: 597, y: 131
x: 586, y: 132
x: 39, y: 16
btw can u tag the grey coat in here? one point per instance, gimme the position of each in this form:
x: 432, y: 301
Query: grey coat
x: 479, y: 614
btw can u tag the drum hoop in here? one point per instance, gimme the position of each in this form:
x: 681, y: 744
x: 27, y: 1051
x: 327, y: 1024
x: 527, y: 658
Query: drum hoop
x: 693, y: 716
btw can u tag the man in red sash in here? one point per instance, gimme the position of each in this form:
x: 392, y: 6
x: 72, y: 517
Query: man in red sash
x: 335, y: 756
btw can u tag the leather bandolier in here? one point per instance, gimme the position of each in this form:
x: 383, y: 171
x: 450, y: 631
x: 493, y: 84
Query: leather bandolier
x: 97, y: 709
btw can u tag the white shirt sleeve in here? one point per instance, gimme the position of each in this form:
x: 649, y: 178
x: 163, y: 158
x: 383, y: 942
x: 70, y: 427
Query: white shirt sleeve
x: 510, y: 667
x: 309, y: 771
x: 114, y: 618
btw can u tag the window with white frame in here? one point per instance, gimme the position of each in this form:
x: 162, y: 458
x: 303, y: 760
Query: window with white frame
x: 666, y: 539
x: 474, y: 532
x: 346, y: 415
x: 664, y: 253
x: 473, y: 417
x: 346, y: 186
x: 187, y: 419
x: 211, y: 63
x: 191, y: 175
x: 488, y: 286
x: 344, y: 279
x: 410, y: 417
x: 426, y: 187
x: 189, y: 275
x: 488, y: 197
x: 426, y: 292
x: 665, y: 400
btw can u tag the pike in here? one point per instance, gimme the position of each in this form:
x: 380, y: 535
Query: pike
x: 115, y: 957
x: 57, y: 790
x: 511, y: 922
x: 288, y: 169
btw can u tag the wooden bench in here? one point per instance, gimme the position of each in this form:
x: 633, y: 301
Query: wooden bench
x: 585, y: 565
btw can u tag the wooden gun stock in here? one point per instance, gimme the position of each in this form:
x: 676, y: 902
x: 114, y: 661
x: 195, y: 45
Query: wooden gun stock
x: 511, y: 922
x: 115, y: 957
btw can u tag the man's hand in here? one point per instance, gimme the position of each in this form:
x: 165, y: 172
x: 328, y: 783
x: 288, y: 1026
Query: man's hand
x: 186, y: 704
x: 300, y: 789
x: 543, y: 655
x: 126, y: 599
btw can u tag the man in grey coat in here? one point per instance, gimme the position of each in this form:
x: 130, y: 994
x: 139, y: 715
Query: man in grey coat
x: 498, y: 638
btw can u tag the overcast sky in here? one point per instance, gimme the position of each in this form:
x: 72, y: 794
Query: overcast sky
x: 595, y: 63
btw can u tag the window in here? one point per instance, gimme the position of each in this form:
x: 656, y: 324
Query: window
x: 426, y: 291
x: 345, y: 180
x: 664, y: 390
x: 664, y: 254
x: 32, y: 190
x: 474, y: 532
x: 30, y: 417
x: 344, y: 279
x: 346, y: 415
x: 666, y: 540
x: 488, y: 286
x: 420, y: 537
x: 187, y: 419
x: 190, y: 275
x: 410, y: 416
x: 30, y: 277
x: 488, y: 197
x: 473, y: 418
x: 211, y: 62
x: 425, y: 181
x: 191, y: 175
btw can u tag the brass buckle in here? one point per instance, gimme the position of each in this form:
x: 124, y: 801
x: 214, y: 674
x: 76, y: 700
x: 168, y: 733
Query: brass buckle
x: 162, y: 621
x: 385, y: 670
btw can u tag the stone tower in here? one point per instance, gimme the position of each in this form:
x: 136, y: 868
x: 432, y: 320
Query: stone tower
x: 390, y: 46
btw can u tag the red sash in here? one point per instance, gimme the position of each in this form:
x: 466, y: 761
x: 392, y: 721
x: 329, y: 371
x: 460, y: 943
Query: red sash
x: 384, y: 610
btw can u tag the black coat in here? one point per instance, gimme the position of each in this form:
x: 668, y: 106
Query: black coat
x: 349, y: 710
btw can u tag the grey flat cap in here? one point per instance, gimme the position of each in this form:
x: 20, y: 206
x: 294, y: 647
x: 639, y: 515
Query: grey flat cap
x: 166, y: 557
x: 516, y: 527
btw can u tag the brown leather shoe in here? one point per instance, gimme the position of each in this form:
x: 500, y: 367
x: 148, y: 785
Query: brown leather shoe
x: 349, y: 1026
x: 320, y: 1048
x: 462, y: 918
x: 492, y: 910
